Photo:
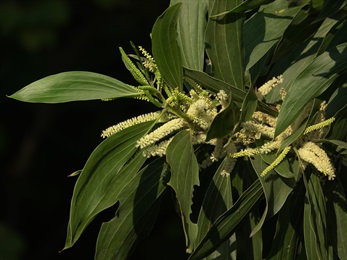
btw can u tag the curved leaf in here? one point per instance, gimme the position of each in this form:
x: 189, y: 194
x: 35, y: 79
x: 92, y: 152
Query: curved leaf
x: 108, y: 170
x: 246, y: 6
x: 136, y: 214
x: 275, y: 189
x: 74, y: 86
x: 224, y: 43
x: 226, y: 224
x: 264, y: 29
x: 165, y: 48
x: 218, y: 199
x: 310, y: 83
x: 184, y: 176
x: 191, y: 29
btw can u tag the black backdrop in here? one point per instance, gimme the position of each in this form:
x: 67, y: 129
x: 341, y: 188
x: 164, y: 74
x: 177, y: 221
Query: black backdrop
x: 41, y: 144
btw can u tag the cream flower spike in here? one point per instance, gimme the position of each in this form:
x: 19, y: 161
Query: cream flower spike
x: 130, y: 122
x: 269, y: 85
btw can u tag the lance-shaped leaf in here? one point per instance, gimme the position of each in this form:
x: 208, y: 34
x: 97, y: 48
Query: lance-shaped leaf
x: 275, y: 189
x: 103, y: 178
x: 246, y: 6
x: 165, y: 48
x: 264, y: 29
x: 224, y: 43
x: 218, y: 199
x: 74, y: 86
x: 288, y: 227
x: 184, y: 176
x: 310, y: 83
x: 191, y: 32
x: 136, y: 215
x: 315, y: 226
x: 226, y: 224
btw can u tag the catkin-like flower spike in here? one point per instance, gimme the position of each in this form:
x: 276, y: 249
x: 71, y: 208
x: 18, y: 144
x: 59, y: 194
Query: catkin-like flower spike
x: 135, y: 72
x: 161, y: 132
x: 223, y: 98
x: 269, y: 85
x: 312, y: 153
x: 149, y: 63
x: 264, y: 118
x: 276, y: 162
x: 319, y: 125
x: 259, y: 128
x: 156, y: 149
x: 130, y: 122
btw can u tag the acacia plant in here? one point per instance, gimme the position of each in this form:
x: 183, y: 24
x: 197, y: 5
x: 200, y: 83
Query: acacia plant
x: 248, y: 131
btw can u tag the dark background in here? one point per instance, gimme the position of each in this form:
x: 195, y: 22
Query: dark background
x: 40, y: 144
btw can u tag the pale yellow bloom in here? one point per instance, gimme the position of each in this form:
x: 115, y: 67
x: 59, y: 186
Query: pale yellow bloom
x: 312, y: 153
x: 269, y: 85
x: 276, y: 162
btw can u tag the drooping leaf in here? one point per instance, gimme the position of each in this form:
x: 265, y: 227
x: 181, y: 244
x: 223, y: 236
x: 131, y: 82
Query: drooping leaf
x: 214, y: 84
x: 224, y: 45
x: 298, y: 59
x: 184, y: 176
x: 337, y: 217
x: 288, y: 227
x: 310, y: 83
x: 246, y: 6
x: 315, y: 226
x: 224, y: 122
x: 249, y: 105
x: 165, y: 48
x: 103, y: 178
x: 275, y: 189
x: 191, y: 29
x: 218, y: 199
x: 74, y: 86
x: 264, y: 29
x: 226, y: 224
x: 136, y: 215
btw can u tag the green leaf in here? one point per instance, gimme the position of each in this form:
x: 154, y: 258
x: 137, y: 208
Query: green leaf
x: 224, y: 122
x: 214, y: 84
x: 165, y: 48
x: 264, y: 29
x: 108, y: 170
x: 74, y: 86
x: 218, y: 199
x: 191, y: 29
x: 226, y: 224
x: 275, y: 189
x: 288, y: 227
x: 184, y: 176
x: 224, y: 43
x: 249, y: 105
x: 245, y: 6
x: 136, y: 215
x: 310, y: 83
x: 337, y: 216
x: 315, y: 226
x: 298, y: 59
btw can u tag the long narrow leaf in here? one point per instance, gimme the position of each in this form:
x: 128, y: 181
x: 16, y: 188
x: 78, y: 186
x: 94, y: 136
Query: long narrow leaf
x: 310, y: 83
x: 224, y: 43
x: 226, y: 224
x: 103, y: 178
x: 184, y: 176
x: 139, y: 204
x: 165, y: 48
x: 191, y: 29
x: 74, y: 86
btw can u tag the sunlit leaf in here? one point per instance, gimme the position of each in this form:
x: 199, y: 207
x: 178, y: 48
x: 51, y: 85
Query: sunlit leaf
x: 245, y: 6
x: 74, y: 86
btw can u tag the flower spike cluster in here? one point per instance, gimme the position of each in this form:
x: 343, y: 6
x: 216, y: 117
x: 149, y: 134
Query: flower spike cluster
x: 196, y: 111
